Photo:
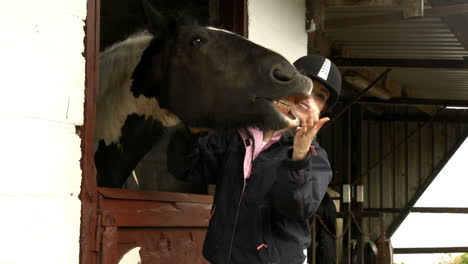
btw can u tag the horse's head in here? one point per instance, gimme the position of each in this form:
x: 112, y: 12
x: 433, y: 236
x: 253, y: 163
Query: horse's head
x: 207, y: 77
x: 215, y: 78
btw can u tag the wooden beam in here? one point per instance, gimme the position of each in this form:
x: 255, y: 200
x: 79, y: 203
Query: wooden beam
x: 383, y: 210
x: 390, y: 117
x: 440, y: 210
x: 413, y: 101
x: 362, y: 3
x: 430, y: 250
x: 394, y: 17
x: 443, y: 11
x: 360, y: 83
x: 389, y: 86
x: 401, y: 63
x: 413, y: 8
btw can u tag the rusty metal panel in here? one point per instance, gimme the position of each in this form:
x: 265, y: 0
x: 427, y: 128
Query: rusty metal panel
x: 169, y: 227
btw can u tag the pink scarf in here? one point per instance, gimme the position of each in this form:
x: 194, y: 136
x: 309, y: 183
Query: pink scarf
x: 252, y: 149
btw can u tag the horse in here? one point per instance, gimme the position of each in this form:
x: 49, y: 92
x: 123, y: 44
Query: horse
x: 179, y: 71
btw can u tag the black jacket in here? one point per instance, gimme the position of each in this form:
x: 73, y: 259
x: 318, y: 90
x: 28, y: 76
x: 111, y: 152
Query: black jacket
x: 260, y: 220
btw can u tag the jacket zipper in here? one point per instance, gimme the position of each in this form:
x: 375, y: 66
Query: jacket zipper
x: 235, y: 221
x: 300, y: 197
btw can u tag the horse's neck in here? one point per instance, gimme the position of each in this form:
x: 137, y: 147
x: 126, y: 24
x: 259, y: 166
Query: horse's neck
x: 116, y: 64
x: 115, y: 101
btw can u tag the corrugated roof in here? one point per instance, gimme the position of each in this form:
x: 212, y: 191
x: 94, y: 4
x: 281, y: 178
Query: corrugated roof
x: 425, y: 38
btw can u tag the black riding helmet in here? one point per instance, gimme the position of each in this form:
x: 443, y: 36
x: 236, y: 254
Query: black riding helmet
x: 324, y: 71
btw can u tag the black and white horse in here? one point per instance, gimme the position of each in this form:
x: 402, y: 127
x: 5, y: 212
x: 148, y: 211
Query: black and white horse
x: 180, y: 71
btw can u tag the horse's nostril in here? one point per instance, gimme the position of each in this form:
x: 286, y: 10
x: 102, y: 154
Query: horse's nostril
x: 280, y: 77
x: 281, y: 73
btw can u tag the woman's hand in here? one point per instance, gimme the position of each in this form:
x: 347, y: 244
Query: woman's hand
x: 309, y: 113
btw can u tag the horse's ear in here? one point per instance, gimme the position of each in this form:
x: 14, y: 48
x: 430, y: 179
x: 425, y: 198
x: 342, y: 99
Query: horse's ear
x: 157, y: 24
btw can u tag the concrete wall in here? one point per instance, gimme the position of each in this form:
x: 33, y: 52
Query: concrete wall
x: 41, y: 102
x: 279, y: 25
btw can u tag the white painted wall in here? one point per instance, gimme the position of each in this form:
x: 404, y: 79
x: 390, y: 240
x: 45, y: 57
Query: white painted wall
x: 279, y: 25
x: 41, y: 102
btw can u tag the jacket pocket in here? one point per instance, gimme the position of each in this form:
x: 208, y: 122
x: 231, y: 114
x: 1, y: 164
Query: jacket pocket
x: 212, y: 237
x: 265, y: 235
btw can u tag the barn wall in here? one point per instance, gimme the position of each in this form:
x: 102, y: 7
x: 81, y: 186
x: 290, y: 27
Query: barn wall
x: 394, y: 179
x: 41, y: 102
x: 279, y: 25
x: 393, y: 159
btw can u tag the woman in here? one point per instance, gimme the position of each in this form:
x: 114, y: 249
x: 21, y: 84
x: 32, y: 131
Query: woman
x: 268, y: 183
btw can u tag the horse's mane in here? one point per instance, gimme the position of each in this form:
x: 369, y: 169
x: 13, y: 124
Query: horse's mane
x: 117, y: 62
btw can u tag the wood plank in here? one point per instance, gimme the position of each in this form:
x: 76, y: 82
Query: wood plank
x: 133, y: 213
x: 362, y: 4
x: 411, y: 118
x: 414, y: 101
x: 164, y: 245
x: 401, y: 63
x: 443, y: 11
x: 112, y: 193
x: 428, y: 250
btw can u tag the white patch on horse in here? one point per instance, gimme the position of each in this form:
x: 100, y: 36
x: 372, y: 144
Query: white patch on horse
x: 222, y: 30
x: 119, y: 100
x: 128, y: 51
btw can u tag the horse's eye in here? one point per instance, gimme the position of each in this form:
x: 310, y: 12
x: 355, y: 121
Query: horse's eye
x: 197, y: 41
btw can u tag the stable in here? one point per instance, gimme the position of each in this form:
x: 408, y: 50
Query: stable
x: 400, y: 120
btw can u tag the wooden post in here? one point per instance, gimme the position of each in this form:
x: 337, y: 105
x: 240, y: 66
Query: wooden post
x: 315, y: 15
x: 413, y: 8
x: 234, y: 16
x: 88, y: 194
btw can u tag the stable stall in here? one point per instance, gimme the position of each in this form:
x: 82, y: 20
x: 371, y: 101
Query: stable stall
x: 401, y: 117
x: 390, y: 135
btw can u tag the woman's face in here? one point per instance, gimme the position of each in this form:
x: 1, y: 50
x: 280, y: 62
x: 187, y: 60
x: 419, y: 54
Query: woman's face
x: 313, y: 104
x: 320, y: 95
